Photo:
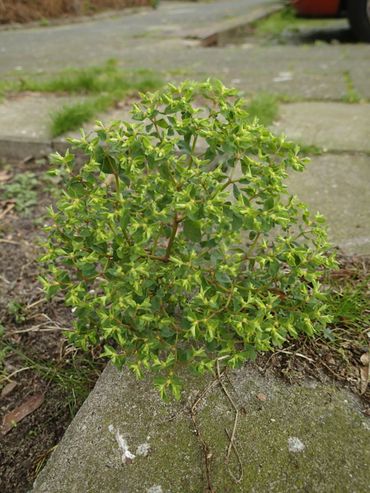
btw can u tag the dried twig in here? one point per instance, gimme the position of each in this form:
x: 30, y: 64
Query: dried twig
x: 207, y: 455
x: 240, y: 478
x: 9, y: 377
x: 7, y: 209
x: 234, y: 406
x: 10, y: 242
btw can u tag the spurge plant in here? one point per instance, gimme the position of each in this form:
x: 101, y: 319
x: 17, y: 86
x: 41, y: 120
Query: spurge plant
x: 176, y: 241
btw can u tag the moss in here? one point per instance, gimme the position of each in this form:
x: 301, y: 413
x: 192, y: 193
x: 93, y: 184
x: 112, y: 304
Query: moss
x: 325, y: 419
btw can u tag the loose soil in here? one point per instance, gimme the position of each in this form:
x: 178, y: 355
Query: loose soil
x: 35, y: 354
x: 25, y: 11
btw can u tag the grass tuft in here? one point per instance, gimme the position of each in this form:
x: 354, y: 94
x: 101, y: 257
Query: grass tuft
x: 71, y: 117
x: 102, y: 86
x: 265, y: 107
x: 284, y: 20
x: 351, y: 95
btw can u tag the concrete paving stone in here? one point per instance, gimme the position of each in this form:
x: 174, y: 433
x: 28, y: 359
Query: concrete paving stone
x: 300, y: 72
x: 338, y: 187
x: 310, y: 437
x: 28, y: 116
x: 329, y: 125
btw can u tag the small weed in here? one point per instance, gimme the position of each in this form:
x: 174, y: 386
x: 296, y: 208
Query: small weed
x: 285, y: 20
x: 351, y: 95
x: 107, y: 84
x: 16, y: 311
x: 71, y: 117
x: 350, y: 305
x: 104, y: 79
x: 310, y: 149
x: 74, y: 375
x: 275, y: 23
x: 22, y: 190
x: 265, y: 107
x: 44, y: 22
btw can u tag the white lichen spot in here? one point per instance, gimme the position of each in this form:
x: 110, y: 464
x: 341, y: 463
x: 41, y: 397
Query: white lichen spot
x: 143, y: 449
x: 155, y: 489
x: 295, y: 445
x: 111, y: 428
x: 127, y: 456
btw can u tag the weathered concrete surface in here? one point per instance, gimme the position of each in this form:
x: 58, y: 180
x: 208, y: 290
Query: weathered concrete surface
x: 156, y: 39
x: 309, y: 438
x: 329, y: 125
x: 91, y: 42
x: 28, y: 115
x: 338, y: 187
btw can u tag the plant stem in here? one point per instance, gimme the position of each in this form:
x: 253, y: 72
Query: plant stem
x: 175, y: 225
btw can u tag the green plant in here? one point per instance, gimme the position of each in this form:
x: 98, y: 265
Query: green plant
x: 107, y: 84
x: 16, y: 311
x: 286, y: 20
x: 176, y: 242
x: 23, y: 190
x: 71, y: 116
x: 351, y: 95
x: 265, y: 107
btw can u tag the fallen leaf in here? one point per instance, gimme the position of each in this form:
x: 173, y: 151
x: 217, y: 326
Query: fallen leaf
x: 261, y: 397
x: 4, y: 176
x: 8, y: 389
x: 20, y: 412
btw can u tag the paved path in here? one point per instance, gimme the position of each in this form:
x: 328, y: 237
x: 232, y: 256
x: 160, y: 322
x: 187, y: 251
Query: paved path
x: 55, y: 47
x: 157, y: 39
x: 317, y: 76
x: 302, y: 438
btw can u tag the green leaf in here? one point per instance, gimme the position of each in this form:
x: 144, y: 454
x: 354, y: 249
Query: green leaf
x: 76, y: 189
x: 192, y: 230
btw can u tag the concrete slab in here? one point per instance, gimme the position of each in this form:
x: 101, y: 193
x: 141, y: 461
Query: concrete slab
x: 301, y: 438
x: 25, y: 121
x: 329, y: 125
x: 27, y: 115
x: 338, y: 187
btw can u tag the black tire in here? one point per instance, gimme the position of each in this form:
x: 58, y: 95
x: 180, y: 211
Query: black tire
x: 359, y: 18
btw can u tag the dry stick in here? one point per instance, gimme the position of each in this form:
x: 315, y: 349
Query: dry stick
x: 10, y: 242
x: 239, y: 479
x: 41, y: 300
x: 232, y: 445
x: 7, y: 209
x: 206, y: 453
x: 9, y: 377
x: 300, y: 355
x: 205, y: 448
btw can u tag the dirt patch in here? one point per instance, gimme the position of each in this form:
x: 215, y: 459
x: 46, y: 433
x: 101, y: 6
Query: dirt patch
x: 35, y: 358
x: 26, y: 10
